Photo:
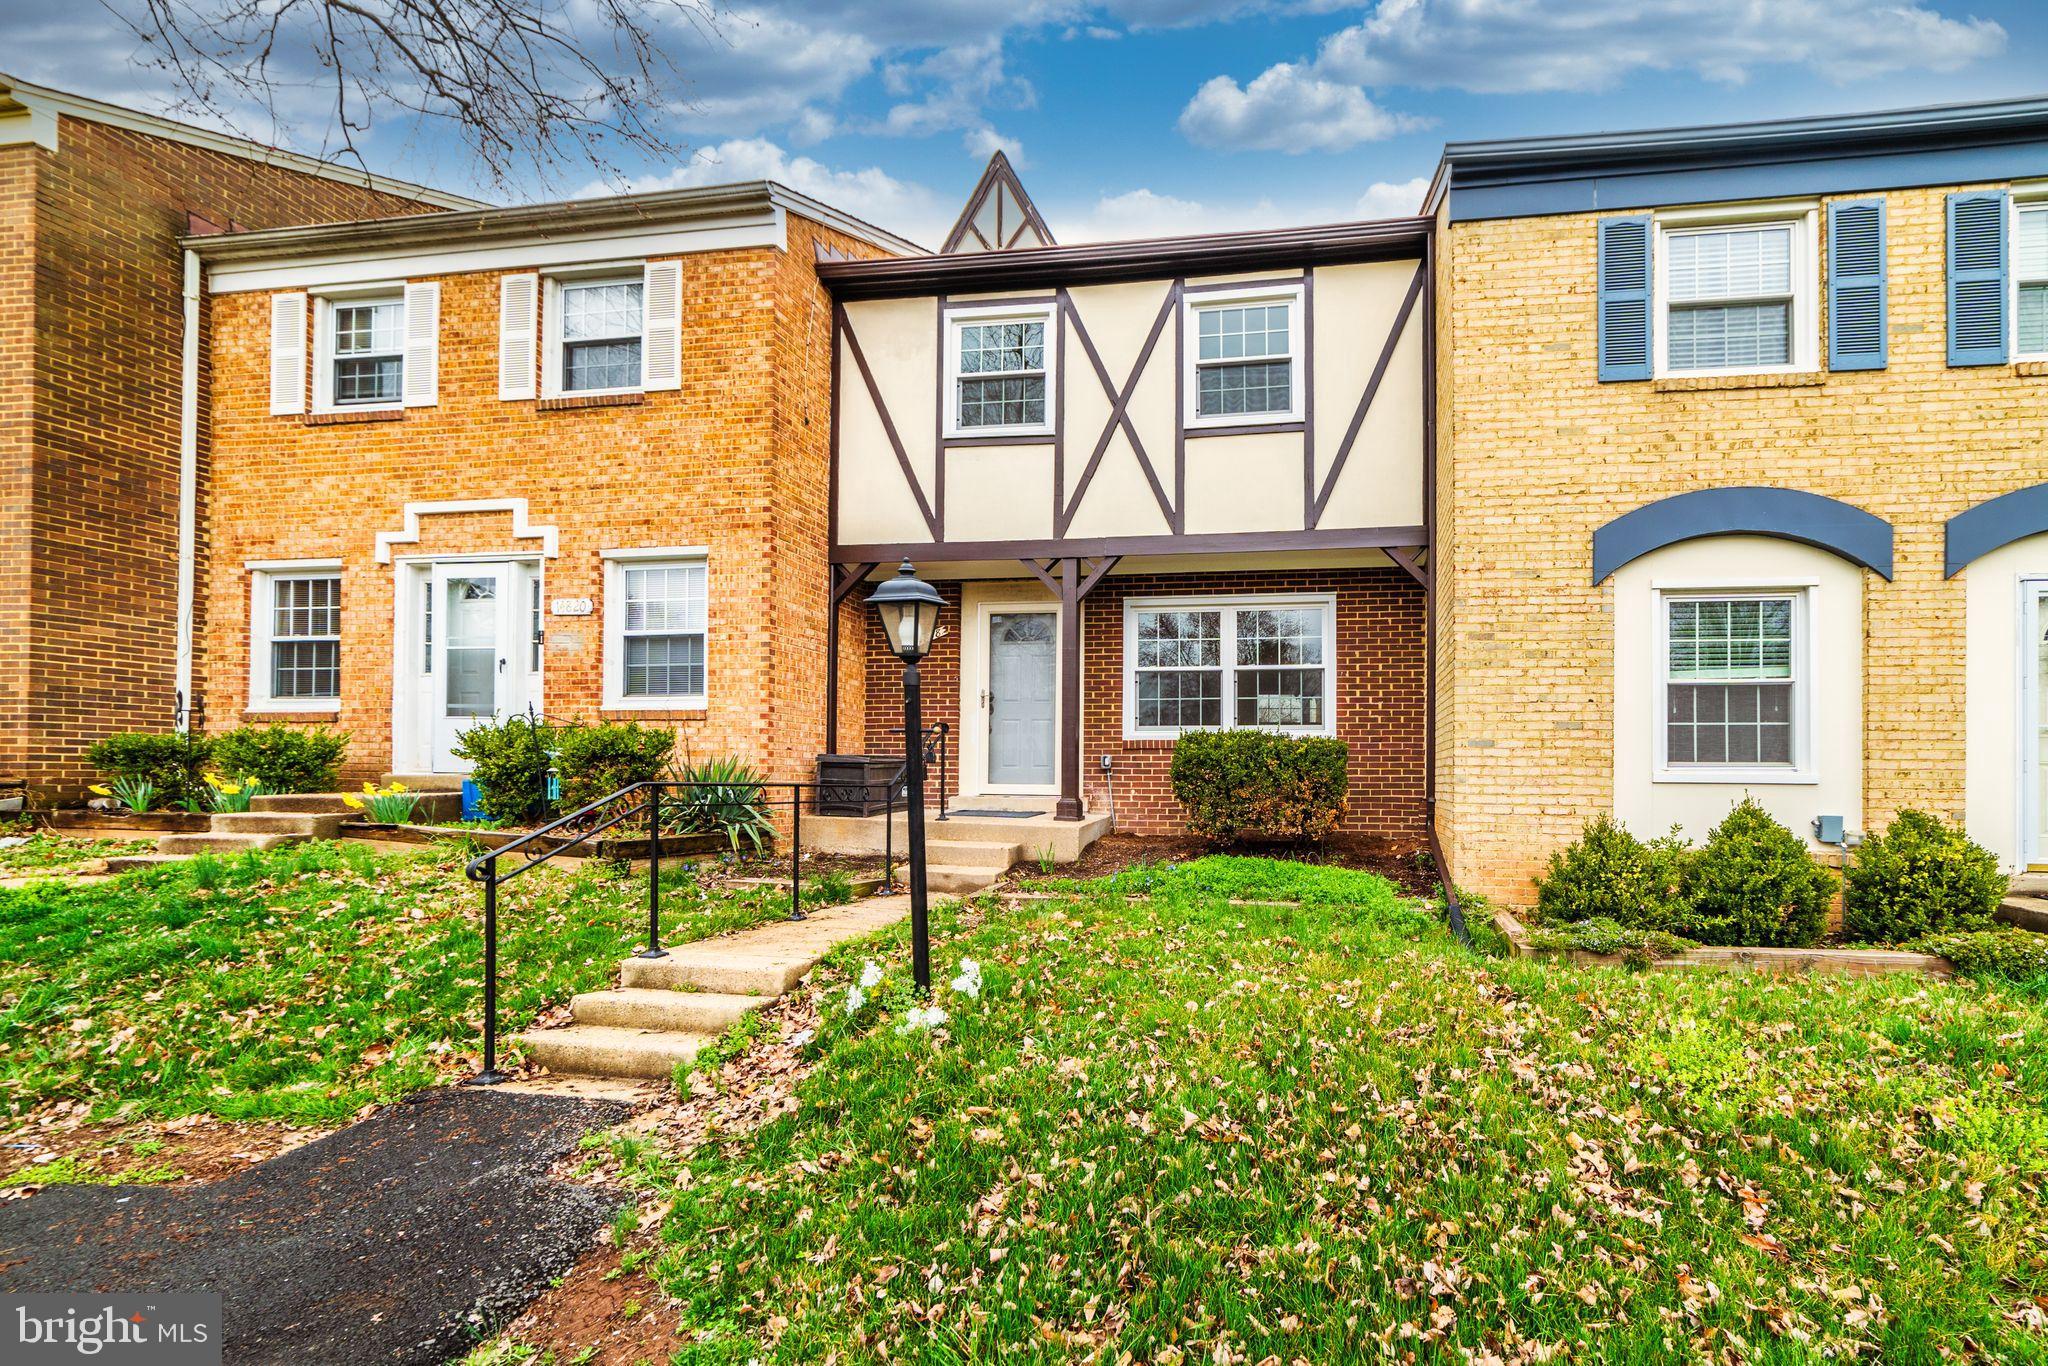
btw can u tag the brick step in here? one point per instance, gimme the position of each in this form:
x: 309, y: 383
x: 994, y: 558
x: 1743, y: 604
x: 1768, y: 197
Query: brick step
x: 432, y: 806
x: 223, y: 843
x: 972, y: 854
x: 604, y: 1051
x: 2027, y: 912
x: 311, y: 825
x: 677, y: 1012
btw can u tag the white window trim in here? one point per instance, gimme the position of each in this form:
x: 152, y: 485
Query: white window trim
x: 1802, y: 769
x: 389, y: 291
x: 615, y: 563
x: 2022, y: 199
x: 1193, y: 305
x: 615, y: 273
x: 262, y: 574
x: 1804, y: 219
x: 1229, y: 605
x: 958, y: 318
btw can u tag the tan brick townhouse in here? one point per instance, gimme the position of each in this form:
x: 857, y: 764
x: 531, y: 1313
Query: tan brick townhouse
x: 569, y: 457
x: 1743, y: 483
x: 97, y: 442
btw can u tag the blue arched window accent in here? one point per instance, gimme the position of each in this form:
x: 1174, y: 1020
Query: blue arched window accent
x: 1808, y: 518
x: 1975, y: 532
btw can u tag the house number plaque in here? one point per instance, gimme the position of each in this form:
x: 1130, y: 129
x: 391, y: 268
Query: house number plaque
x: 571, y: 607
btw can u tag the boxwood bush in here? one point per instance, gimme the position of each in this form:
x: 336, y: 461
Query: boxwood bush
x: 1920, y: 877
x: 2005, y: 953
x: 282, y: 758
x: 509, y: 762
x: 174, y: 764
x: 1754, y: 883
x: 596, y: 761
x: 1608, y: 874
x: 1255, y: 785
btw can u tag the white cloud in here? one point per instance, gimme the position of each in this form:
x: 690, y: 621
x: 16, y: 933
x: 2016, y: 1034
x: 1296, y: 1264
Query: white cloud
x: 1392, y: 198
x: 755, y: 67
x: 1288, y: 108
x: 871, y: 193
x: 984, y: 142
x: 1147, y: 213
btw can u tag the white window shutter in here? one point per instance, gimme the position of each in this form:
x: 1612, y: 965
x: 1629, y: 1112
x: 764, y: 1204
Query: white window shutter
x: 422, y: 344
x: 661, y: 342
x: 518, y: 315
x: 287, y: 353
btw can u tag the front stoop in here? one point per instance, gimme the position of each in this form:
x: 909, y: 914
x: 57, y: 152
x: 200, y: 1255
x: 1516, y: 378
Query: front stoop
x: 2026, y: 903
x: 670, y: 1007
x: 235, y: 832
x: 962, y: 853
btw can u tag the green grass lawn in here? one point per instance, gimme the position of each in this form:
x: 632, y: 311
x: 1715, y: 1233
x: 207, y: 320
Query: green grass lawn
x: 1175, y: 1130
x: 302, y: 983
x: 45, y: 851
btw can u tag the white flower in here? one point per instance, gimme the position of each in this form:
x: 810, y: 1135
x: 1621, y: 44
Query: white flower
x: 802, y: 1037
x: 870, y: 975
x: 922, y: 1017
x: 968, y: 983
x: 855, y: 999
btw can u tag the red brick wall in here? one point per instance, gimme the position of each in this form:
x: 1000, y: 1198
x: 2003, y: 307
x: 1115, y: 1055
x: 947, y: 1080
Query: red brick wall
x: 881, y: 676
x: 89, y: 515
x: 1379, y: 693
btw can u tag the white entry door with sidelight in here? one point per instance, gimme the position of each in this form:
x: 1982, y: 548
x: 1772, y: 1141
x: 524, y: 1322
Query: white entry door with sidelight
x: 479, y: 651
x: 1023, y: 655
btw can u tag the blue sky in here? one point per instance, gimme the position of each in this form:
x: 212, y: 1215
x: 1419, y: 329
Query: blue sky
x: 1143, y: 117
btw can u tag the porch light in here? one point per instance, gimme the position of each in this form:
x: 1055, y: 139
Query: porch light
x: 909, y: 610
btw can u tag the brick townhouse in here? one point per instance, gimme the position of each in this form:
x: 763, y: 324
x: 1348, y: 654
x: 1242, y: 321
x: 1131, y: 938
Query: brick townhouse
x: 95, y: 446
x: 567, y: 457
x: 1742, y: 480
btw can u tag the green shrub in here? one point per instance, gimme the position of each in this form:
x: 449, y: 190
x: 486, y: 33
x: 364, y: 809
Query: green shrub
x: 509, y: 762
x: 1753, y: 882
x: 596, y: 761
x: 1920, y: 877
x: 1256, y: 785
x: 283, y: 758
x: 173, y: 764
x: 1635, y: 946
x: 2005, y: 953
x: 1608, y: 874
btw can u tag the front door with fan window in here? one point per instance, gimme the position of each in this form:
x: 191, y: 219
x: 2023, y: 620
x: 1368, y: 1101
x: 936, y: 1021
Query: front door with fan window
x: 1023, y: 651
x: 474, y: 628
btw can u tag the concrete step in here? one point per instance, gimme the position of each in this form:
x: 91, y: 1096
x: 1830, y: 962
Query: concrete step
x: 604, y: 1051
x: 2027, y: 912
x: 677, y: 1012
x: 2029, y: 884
x: 766, y: 960
x: 1063, y: 840
x: 223, y: 843
x: 431, y: 805
x: 958, y: 881
x: 426, y: 782
x: 972, y: 854
x: 128, y: 863
x: 729, y: 974
x: 310, y: 825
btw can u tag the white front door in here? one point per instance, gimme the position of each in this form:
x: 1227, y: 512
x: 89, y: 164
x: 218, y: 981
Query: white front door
x: 477, y: 667
x: 1023, y: 653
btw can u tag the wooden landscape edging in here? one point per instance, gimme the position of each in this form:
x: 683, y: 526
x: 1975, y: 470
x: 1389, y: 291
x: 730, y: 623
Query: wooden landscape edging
x: 672, y: 846
x: 1775, y: 962
x: 154, y: 823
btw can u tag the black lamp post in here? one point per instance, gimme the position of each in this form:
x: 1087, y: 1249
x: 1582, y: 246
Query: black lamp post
x: 909, y: 611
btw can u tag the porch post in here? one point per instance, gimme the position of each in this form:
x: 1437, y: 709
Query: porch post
x: 1069, y: 806
x: 831, y: 659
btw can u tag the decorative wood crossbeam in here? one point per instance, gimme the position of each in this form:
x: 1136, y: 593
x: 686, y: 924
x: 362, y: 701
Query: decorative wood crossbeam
x: 867, y: 376
x: 1119, y: 407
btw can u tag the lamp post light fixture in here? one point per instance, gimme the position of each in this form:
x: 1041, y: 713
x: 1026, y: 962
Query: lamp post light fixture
x: 909, y: 611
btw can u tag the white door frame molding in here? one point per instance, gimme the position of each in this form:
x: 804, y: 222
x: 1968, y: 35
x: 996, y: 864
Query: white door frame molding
x: 412, y: 728
x: 975, y: 683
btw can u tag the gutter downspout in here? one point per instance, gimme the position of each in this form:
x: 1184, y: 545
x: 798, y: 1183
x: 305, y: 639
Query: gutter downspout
x: 188, y: 493
x: 1454, y: 911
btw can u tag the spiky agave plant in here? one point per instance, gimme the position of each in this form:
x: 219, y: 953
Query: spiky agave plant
x: 727, y: 796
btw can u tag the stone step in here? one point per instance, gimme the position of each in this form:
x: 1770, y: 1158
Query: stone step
x: 223, y: 843
x: 680, y: 1012
x: 685, y: 973
x: 768, y: 959
x: 426, y: 782
x: 310, y: 825
x: 604, y: 1051
x: 2027, y: 912
x: 432, y: 806
x: 2029, y: 884
x: 972, y: 854
x: 129, y: 863
x: 958, y: 881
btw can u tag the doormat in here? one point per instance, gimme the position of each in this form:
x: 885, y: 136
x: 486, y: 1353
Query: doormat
x: 994, y: 814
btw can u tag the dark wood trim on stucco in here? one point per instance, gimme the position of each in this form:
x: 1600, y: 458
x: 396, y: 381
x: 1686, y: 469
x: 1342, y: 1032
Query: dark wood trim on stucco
x: 1199, y: 543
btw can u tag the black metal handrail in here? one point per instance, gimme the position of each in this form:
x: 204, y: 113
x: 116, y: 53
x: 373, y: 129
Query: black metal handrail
x: 937, y: 743
x: 484, y: 870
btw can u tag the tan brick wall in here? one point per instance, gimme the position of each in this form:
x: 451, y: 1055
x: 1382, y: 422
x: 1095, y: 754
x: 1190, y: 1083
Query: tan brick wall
x: 735, y: 461
x: 88, y: 518
x: 1538, y: 453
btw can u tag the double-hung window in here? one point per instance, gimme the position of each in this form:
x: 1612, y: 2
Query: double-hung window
x: 599, y: 335
x: 1737, y: 297
x: 2030, y: 279
x: 295, y: 639
x: 1001, y: 373
x: 656, y: 617
x: 1731, y: 677
x: 361, y: 352
x: 1192, y: 664
x: 1243, y: 358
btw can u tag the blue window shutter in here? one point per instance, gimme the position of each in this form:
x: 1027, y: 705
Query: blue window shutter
x: 1856, y: 292
x: 1624, y: 298
x: 1977, y: 327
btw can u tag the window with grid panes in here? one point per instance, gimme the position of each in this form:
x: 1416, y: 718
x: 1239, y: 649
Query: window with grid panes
x: 664, y: 630
x: 1243, y: 359
x: 305, y: 637
x: 2030, y: 273
x: 601, y: 329
x: 1002, y: 374
x: 1729, y: 296
x: 1248, y: 664
x: 368, y: 351
x: 1730, y: 672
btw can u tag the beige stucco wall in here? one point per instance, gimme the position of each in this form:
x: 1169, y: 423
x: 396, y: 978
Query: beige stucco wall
x: 1995, y: 724
x: 1537, y: 454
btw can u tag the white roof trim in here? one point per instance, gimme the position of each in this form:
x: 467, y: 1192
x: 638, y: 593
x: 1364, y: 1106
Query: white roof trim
x: 522, y: 529
x: 33, y: 117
